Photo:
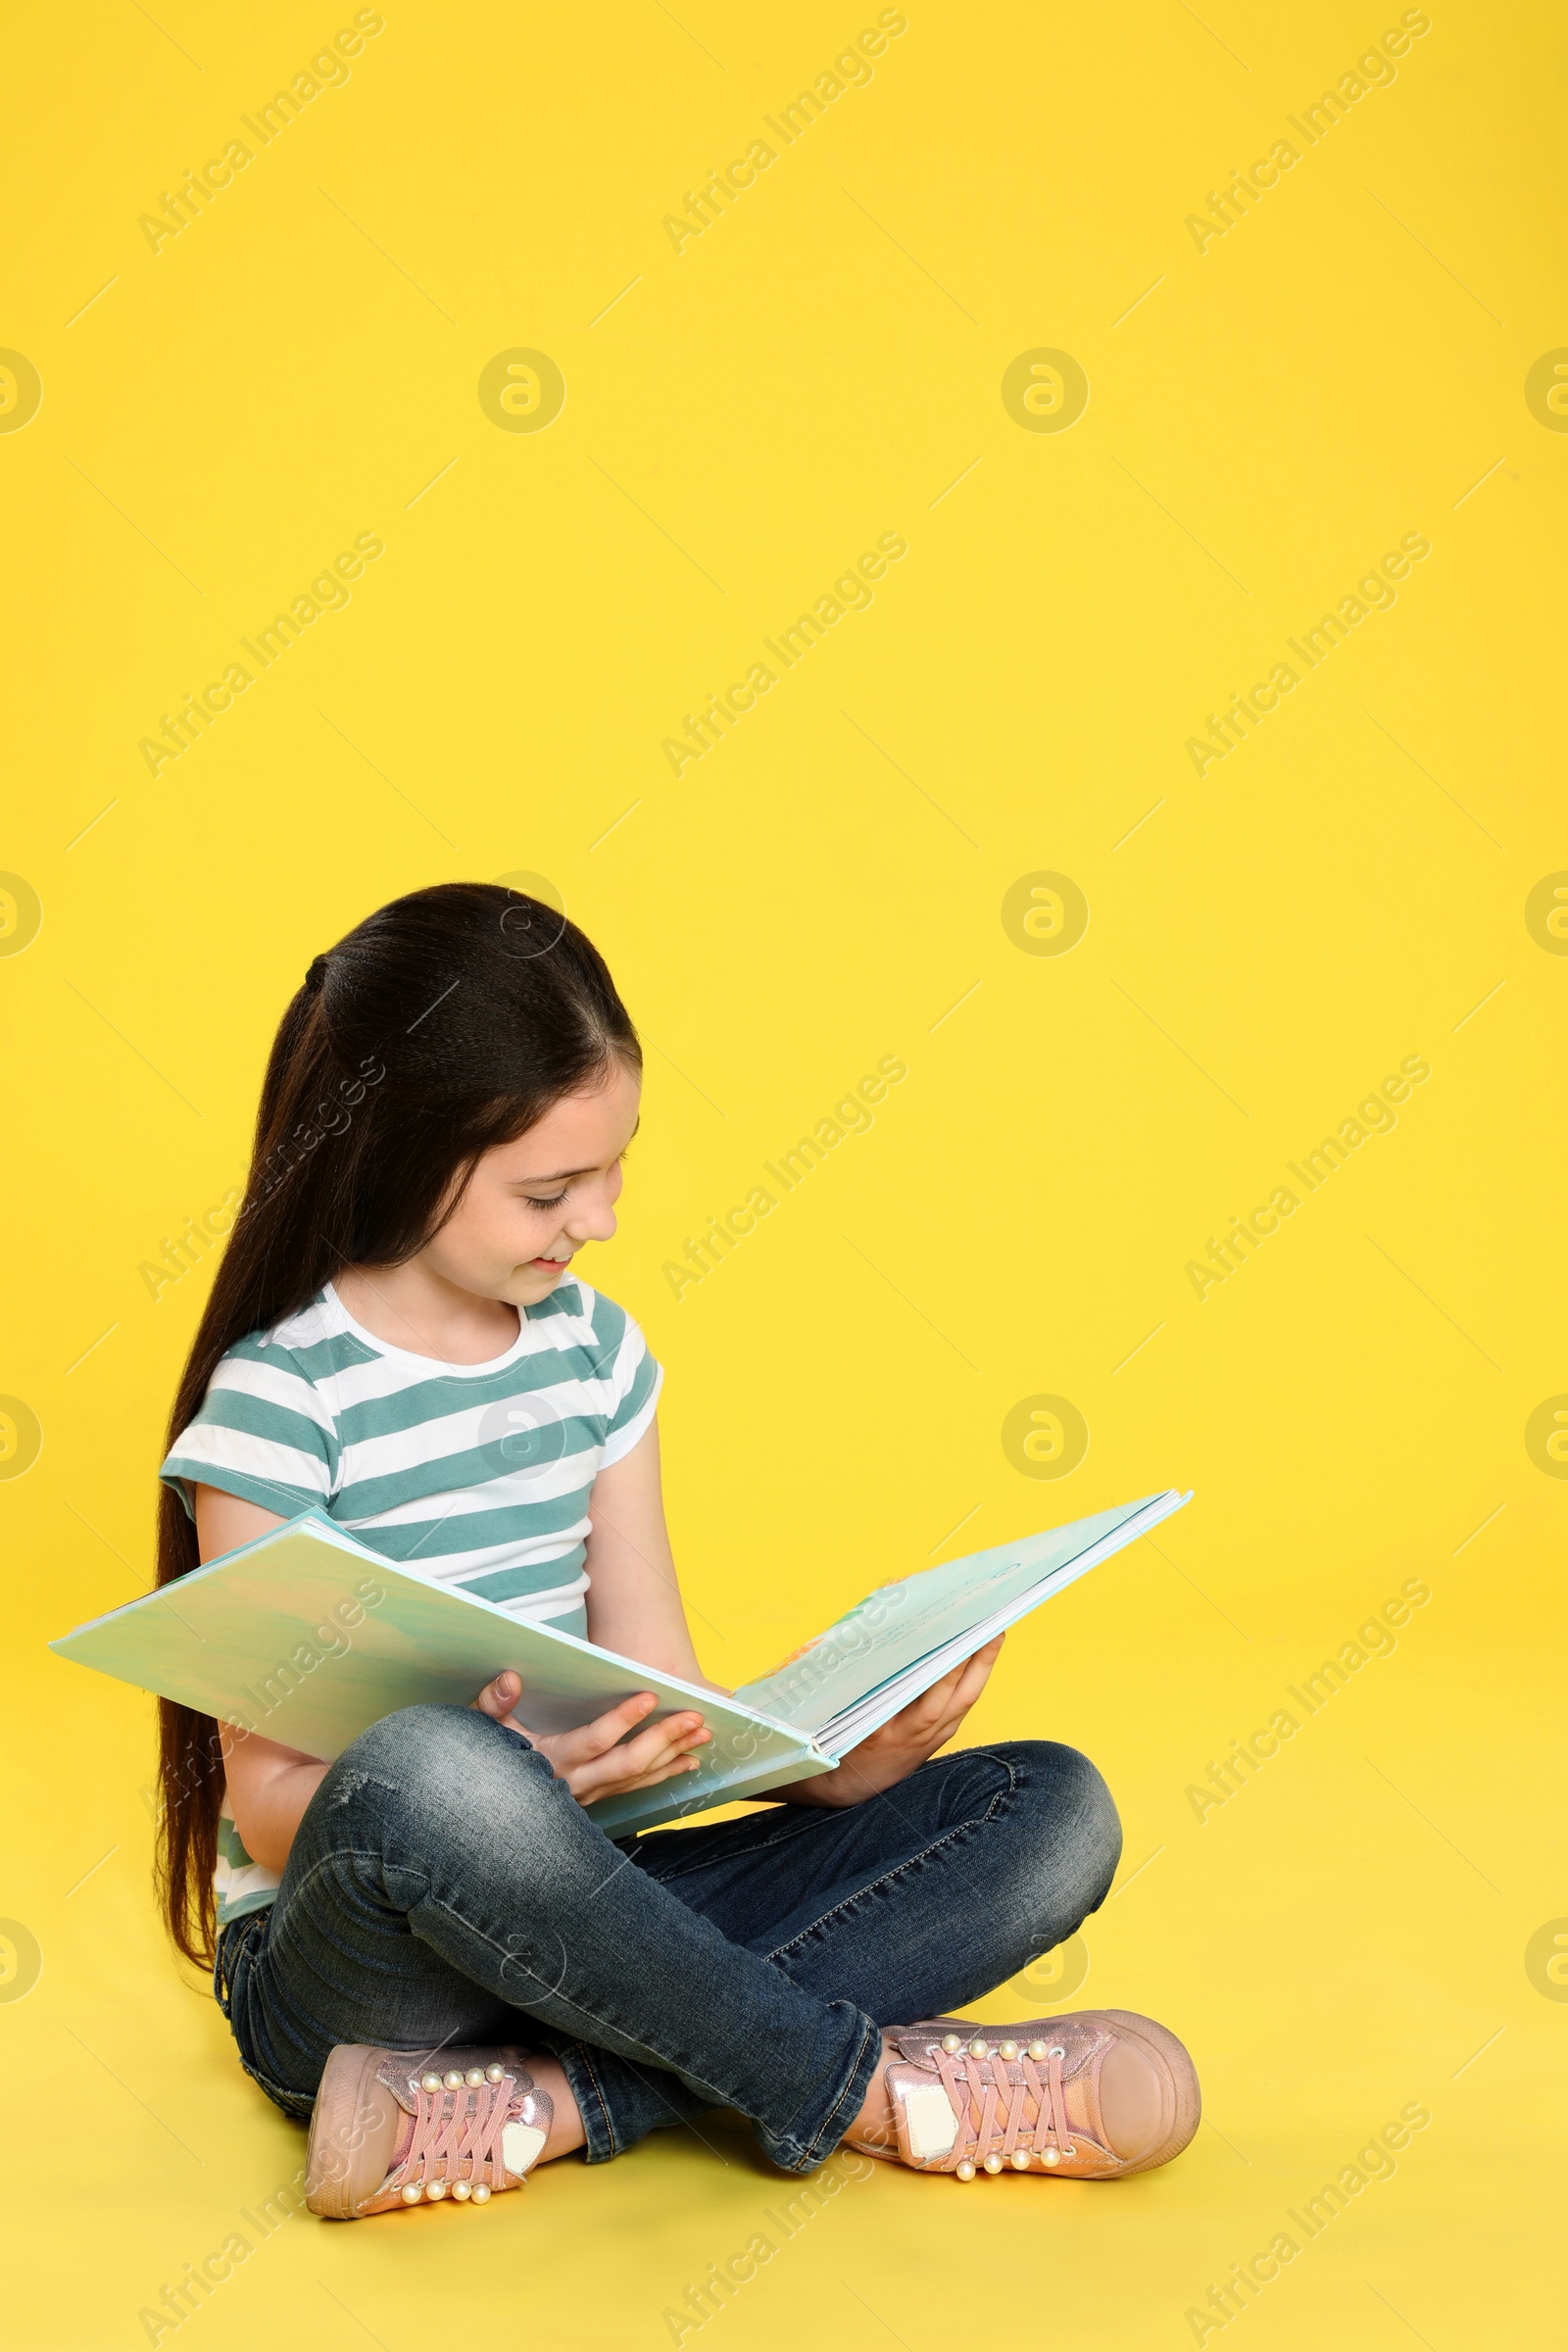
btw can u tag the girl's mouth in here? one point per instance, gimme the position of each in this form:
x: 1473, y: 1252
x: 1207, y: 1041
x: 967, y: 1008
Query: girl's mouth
x: 551, y: 1265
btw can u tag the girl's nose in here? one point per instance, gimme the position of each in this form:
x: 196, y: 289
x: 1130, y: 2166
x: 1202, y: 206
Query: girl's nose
x: 592, y: 1220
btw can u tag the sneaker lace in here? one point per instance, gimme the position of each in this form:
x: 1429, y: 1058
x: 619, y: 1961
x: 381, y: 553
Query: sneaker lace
x: 1035, y: 2119
x: 456, y: 2136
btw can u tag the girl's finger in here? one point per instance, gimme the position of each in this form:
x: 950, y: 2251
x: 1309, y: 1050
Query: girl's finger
x: 660, y: 1743
x: 960, y: 1677
x: 650, y: 1780
x: 676, y: 1732
x: 975, y: 1675
x: 608, y: 1735
x: 498, y: 1699
x: 634, y: 1765
x: 954, y: 1693
x: 606, y: 1730
x: 614, y: 1776
x: 931, y: 1705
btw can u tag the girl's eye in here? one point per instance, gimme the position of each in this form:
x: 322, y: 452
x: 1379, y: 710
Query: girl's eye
x: 553, y: 1201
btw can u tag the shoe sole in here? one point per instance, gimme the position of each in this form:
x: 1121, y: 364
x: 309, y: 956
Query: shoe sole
x: 1173, y: 2063
x: 337, y: 2122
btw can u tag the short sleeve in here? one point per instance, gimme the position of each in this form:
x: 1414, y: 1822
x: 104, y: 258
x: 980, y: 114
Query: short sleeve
x: 262, y: 1433
x: 635, y: 1380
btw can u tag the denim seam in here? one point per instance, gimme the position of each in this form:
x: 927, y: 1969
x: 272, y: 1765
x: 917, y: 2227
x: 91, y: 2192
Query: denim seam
x: 373, y: 1861
x: 584, y: 2050
x: 960, y: 1828
x: 871, y: 2032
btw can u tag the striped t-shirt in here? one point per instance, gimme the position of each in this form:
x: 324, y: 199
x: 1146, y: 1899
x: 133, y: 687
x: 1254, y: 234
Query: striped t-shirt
x: 474, y: 1475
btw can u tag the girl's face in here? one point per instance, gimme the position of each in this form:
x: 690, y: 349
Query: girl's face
x: 530, y: 1205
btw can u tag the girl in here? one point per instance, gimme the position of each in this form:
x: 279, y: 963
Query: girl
x: 428, y: 1946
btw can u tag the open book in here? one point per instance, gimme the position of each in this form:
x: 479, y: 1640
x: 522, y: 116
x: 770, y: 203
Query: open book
x: 308, y: 1637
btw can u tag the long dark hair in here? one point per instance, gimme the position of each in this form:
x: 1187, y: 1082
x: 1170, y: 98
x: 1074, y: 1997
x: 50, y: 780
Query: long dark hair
x: 442, y: 1025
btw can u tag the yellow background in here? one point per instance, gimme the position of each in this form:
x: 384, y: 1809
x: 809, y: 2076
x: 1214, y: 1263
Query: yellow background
x: 742, y: 418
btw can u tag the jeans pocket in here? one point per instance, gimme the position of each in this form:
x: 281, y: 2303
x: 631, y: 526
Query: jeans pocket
x: 237, y: 1947
x: 231, y: 1954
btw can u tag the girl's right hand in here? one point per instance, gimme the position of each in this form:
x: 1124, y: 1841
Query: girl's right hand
x: 597, y: 1759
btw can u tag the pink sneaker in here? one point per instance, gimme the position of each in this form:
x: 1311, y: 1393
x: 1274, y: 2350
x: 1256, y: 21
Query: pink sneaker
x: 412, y: 2127
x: 1088, y: 2096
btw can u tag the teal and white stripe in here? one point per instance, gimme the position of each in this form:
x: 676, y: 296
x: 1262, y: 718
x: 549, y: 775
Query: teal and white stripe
x: 239, y: 1883
x: 476, y: 1475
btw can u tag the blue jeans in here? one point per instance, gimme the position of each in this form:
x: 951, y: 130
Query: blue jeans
x: 445, y: 1886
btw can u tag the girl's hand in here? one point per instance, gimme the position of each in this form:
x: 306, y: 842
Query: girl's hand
x: 904, y: 1741
x: 591, y: 1760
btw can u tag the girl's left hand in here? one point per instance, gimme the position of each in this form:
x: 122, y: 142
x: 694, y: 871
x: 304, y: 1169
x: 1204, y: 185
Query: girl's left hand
x: 611, y: 1755
x: 904, y: 1741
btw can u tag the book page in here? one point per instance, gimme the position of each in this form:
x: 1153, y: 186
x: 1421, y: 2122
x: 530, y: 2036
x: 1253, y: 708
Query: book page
x: 899, y: 1625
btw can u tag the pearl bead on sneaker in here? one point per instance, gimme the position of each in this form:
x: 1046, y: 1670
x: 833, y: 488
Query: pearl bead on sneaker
x: 392, y: 2128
